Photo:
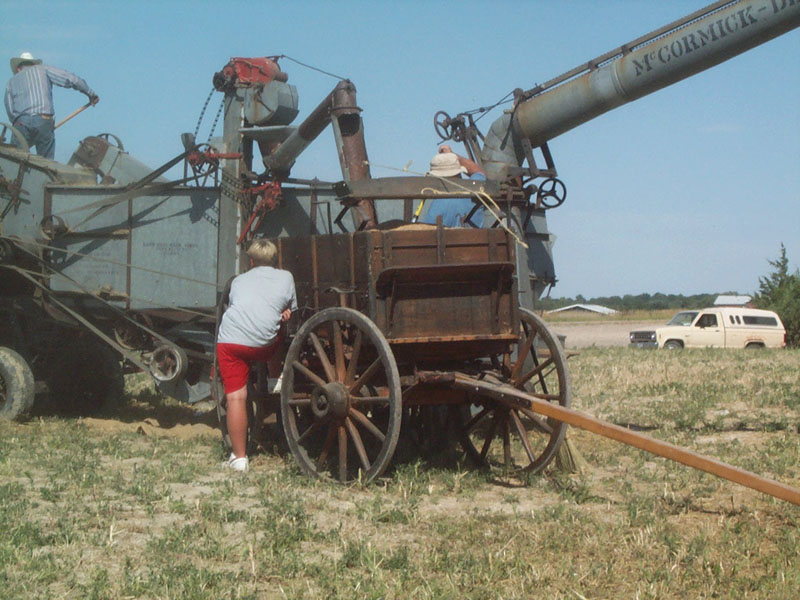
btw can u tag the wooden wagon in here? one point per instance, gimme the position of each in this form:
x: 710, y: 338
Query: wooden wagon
x: 394, y: 326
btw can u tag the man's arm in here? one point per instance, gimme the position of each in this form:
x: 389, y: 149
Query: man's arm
x: 9, y: 107
x: 470, y: 165
x: 65, y: 79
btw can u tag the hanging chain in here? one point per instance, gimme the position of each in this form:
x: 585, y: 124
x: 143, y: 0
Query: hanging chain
x: 203, y: 112
x: 216, y: 119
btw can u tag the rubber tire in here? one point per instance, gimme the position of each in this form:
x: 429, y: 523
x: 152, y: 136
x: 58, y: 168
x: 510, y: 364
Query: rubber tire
x: 673, y: 345
x: 16, y: 386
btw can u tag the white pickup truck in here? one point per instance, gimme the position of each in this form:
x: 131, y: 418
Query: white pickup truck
x: 716, y: 327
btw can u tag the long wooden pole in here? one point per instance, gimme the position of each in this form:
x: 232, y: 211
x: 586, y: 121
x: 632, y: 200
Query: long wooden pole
x: 75, y: 112
x: 514, y: 397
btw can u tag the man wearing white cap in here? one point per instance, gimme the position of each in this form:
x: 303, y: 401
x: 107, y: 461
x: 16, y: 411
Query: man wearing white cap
x: 452, y: 210
x: 29, y: 100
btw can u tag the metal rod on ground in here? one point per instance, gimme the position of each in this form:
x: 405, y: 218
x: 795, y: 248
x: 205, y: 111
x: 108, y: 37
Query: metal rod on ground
x: 74, y: 113
x: 512, y: 396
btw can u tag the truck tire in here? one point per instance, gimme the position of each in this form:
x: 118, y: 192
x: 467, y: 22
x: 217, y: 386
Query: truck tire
x: 16, y: 385
x: 673, y: 345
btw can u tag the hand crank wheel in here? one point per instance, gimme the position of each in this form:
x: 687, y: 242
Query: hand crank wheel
x: 341, y: 402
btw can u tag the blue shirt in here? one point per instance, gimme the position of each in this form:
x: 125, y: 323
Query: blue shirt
x: 452, y: 210
x: 30, y: 92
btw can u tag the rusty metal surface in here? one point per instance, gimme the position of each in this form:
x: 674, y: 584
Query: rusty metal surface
x: 348, y: 130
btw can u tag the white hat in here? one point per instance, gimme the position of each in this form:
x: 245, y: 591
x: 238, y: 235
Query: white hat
x: 445, y: 164
x: 25, y: 57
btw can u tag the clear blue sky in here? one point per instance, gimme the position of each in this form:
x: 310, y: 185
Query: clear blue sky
x: 688, y: 190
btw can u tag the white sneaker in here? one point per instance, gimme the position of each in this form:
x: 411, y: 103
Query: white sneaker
x: 276, y: 389
x: 237, y: 464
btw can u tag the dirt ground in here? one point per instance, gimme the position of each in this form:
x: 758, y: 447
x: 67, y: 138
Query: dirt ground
x: 602, y: 334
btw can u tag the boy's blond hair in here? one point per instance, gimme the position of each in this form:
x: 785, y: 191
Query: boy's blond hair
x: 263, y: 253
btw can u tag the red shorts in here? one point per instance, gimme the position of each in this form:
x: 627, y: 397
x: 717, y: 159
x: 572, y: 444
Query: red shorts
x: 234, y: 362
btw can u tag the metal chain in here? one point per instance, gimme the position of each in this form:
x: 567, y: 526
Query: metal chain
x: 214, y: 126
x: 210, y: 219
x: 231, y: 187
x: 203, y: 112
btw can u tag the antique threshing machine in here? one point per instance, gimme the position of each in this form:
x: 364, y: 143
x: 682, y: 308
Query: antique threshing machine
x: 400, y: 323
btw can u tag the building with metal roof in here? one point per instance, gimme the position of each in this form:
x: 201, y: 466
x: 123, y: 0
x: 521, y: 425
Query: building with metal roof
x: 593, y: 308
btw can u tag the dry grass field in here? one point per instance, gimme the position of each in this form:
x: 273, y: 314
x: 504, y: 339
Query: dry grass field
x: 135, y: 504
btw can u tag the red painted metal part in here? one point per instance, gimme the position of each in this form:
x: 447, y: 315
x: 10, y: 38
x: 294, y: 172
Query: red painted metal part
x: 253, y: 70
x: 198, y: 159
x: 265, y: 197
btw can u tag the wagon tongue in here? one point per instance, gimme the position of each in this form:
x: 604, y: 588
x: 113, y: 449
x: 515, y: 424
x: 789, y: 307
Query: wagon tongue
x: 516, y: 398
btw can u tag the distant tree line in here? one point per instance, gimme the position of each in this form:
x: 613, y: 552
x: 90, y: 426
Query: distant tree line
x: 656, y: 301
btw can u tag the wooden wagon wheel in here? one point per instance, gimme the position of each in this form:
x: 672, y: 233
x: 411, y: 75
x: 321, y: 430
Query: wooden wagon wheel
x: 509, y: 439
x: 341, y: 401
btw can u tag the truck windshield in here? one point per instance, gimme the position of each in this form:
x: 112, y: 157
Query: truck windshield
x: 683, y: 319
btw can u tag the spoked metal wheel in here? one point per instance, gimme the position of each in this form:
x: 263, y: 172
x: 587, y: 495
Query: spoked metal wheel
x: 341, y: 401
x: 509, y: 439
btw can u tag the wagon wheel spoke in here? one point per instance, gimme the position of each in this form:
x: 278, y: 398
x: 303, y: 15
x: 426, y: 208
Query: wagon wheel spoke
x: 323, y: 456
x: 359, y: 445
x: 536, y: 371
x: 541, y: 425
x: 474, y: 420
x: 529, y: 441
x: 367, y: 376
x: 362, y: 420
x: 338, y: 351
x: 506, y: 442
x: 323, y: 357
x: 354, y: 356
x: 342, y: 453
x: 523, y: 435
x: 487, y: 442
x: 524, y: 350
x: 311, y: 428
x: 313, y: 377
x: 543, y: 376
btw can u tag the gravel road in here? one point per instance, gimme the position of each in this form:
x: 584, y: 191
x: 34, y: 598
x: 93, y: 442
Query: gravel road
x: 583, y: 334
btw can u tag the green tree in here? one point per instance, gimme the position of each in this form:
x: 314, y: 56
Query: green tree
x: 780, y: 291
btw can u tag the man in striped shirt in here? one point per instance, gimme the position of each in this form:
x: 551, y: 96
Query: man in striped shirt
x: 29, y: 100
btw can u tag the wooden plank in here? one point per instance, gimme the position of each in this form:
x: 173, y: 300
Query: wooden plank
x: 514, y: 397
